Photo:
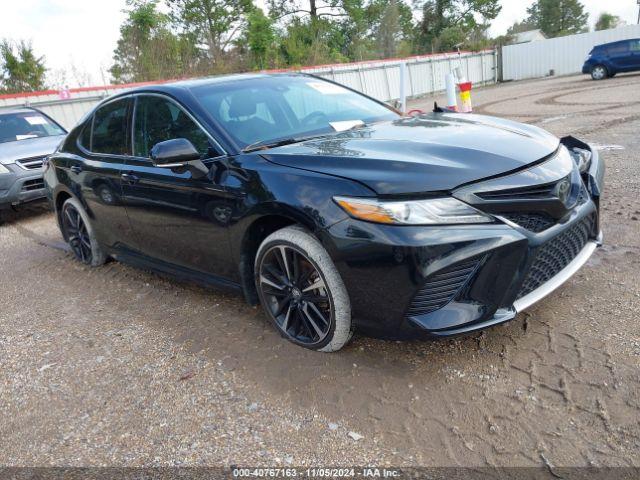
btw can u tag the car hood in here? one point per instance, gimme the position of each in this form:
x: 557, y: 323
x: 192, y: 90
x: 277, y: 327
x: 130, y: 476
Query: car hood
x: 433, y: 152
x: 31, y: 147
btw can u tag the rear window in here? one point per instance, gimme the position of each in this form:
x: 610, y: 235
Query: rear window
x: 16, y: 127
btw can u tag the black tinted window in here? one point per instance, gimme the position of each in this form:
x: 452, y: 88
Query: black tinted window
x: 110, y: 128
x: 85, y: 135
x: 158, y: 119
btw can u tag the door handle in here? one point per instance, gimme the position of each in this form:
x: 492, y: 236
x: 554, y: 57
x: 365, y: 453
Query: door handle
x: 130, y: 178
x: 76, y: 168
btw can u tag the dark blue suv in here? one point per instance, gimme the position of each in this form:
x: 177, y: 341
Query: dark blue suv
x: 611, y: 58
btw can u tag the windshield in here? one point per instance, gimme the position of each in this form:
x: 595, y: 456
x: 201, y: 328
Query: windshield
x: 267, y: 109
x: 15, y: 127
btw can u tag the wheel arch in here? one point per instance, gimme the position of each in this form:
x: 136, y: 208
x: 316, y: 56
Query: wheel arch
x: 260, y: 227
x: 58, y: 200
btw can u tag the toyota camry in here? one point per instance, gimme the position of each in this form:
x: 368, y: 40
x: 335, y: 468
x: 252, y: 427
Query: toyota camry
x: 328, y: 207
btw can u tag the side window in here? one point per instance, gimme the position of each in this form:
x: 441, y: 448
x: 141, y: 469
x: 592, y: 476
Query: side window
x: 110, y: 128
x: 85, y: 135
x: 158, y: 119
x: 618, y: 49
x: 634, y: 46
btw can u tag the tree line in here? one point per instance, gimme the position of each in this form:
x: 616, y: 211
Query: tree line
x: 163, y: 39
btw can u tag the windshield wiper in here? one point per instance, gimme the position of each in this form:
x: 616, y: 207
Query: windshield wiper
x: 264, y: 144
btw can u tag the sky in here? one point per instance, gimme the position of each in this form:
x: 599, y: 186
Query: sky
x: 77, y: 37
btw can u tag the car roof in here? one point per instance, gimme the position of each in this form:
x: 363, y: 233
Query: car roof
x: 616, y: 42
x: 182, y: 85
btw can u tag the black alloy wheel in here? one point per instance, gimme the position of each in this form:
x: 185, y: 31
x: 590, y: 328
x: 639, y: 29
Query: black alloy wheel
x: 76, y: 233
x: 295, y: 294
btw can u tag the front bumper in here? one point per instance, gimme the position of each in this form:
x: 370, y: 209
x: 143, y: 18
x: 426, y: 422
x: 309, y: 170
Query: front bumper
x: 20, y: 186
x: 386, y: 268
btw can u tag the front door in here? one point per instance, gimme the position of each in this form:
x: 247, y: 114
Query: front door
x: 177, y: 216
x: 620, y: 56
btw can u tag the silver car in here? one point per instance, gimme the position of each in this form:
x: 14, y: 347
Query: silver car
x: 27, y: 136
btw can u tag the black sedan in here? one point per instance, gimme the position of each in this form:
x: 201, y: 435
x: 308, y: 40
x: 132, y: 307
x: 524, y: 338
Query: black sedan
x: 328, y: 207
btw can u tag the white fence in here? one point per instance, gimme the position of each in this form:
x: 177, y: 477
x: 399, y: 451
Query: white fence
x: 564, y: 55
x: 425, y: 74
x: 381, y: 80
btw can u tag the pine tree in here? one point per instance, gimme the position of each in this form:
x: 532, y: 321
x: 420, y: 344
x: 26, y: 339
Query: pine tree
x: 557, y: 18
x: 20, y: 69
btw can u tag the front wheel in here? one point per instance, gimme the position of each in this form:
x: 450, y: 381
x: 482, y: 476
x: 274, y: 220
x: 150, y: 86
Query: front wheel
x: 78, y: 233
x: 599, y: 72
x: 302, y: 292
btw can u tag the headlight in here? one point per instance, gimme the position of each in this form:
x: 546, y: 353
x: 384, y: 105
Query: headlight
x: 582, y: 157
x: 4, y: 169
x: 417, y: 212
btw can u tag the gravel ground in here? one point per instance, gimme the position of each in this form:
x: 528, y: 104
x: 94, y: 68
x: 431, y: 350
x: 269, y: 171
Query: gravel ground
x: 115, y: 366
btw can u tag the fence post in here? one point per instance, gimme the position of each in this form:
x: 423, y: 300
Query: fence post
x: 403, y: 88
x: 433, y: 77
x: 386, y: 77
x: 466, y: 62
x: 361, y: 79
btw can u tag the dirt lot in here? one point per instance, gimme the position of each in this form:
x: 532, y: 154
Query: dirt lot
x: 115, y: 366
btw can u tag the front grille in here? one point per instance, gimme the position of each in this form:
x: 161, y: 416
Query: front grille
x: 442, y: 287
x: 557, y: 253
x: 32, y: 163
x: 534, y: 222
x: 526, y: 193
x: 30, y: 185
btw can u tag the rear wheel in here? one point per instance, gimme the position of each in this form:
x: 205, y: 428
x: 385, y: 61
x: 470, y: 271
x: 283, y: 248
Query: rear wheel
x: 302, y: 292
x: 78, y: 233
x: 599, y: 72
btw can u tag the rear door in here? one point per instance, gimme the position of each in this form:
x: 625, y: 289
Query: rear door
x: 178, y: 217
x: 634, y: 54
x: 105, y: 144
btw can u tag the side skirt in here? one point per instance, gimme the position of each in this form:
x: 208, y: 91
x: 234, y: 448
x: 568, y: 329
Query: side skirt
x: 143, y: 262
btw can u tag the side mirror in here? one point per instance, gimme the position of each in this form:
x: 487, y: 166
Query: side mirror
x: 174, y: 153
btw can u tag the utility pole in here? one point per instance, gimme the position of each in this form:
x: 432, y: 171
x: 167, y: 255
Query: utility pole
x: 638, y: 12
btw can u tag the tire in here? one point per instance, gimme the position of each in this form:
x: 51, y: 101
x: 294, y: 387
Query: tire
x: 599, y: 72
x: 78, y: 233
x: 289, y: 263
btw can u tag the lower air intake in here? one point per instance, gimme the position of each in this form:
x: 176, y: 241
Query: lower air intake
x: 557, y: 253
x: 442, y: 287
